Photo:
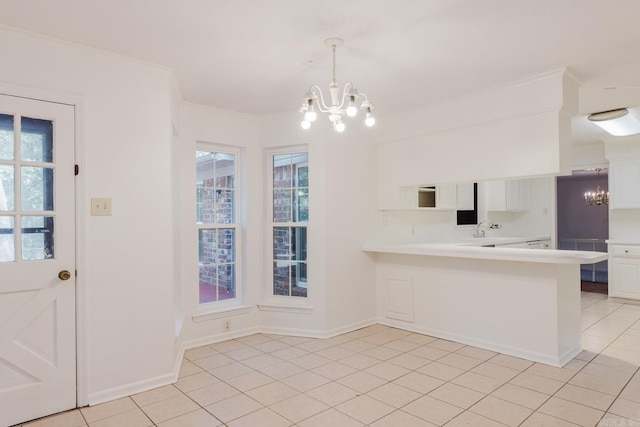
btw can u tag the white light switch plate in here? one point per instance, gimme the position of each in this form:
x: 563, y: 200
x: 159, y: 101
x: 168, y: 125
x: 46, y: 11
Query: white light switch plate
x: 101, y: 206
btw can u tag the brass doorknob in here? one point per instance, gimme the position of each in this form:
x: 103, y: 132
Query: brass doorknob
x: 64, y: 275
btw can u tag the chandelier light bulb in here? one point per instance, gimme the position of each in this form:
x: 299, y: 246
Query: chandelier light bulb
x: 306, y: 124
x: 310, y: 115
x: 352, y: 110
x: 370, y: 120
x: 340, y: 127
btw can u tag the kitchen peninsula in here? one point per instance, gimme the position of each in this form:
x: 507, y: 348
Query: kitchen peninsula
x: 520, y: 302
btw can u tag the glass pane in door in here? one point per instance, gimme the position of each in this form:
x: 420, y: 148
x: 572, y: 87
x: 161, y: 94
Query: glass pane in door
x: 37, y: 189
x: 37, y: 237
x: 6, y: 137
x: 7, y: 202
x: 36, y: 140
x: 7, y: 245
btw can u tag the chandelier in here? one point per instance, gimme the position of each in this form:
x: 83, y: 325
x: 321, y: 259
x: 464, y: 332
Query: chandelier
x: 341, y: 104
x: 598, y: 197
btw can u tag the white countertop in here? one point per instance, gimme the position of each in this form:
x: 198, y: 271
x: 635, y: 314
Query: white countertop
x: 622, y: 242
x: 474, y: 249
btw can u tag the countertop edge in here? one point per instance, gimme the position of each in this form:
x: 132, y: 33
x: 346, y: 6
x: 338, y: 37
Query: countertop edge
x: 547, y: 256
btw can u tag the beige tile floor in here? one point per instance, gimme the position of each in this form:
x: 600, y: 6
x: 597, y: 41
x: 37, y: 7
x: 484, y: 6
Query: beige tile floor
x: 380, y: 376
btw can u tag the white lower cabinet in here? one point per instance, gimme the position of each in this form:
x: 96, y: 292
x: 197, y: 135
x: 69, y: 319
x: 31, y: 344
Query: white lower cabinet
x: 624, y: 271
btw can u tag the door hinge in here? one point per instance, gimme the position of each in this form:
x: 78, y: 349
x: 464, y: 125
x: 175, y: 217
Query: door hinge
x: 76, y: 169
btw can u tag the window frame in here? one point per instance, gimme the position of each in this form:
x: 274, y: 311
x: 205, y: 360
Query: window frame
x: 238, y: 300
x: 271, y: 298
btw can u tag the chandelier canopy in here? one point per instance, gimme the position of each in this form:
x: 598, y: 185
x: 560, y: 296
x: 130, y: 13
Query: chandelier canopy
x: 341, y: 104
x: 597, y: 197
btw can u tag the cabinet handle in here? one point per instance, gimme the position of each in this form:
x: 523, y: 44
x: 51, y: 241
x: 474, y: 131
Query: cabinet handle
x: 626, y: 251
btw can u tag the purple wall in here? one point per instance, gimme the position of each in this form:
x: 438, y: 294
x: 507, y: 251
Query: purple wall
x: 575, y: 218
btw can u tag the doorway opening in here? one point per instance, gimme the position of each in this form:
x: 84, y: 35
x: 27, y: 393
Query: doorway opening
x: 584, y: 227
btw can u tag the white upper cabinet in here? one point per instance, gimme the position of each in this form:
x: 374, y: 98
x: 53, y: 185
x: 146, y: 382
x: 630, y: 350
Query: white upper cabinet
x: 624, y: 183
x: 508, y: 195
x: 465, y: 197
x: 443, y: 197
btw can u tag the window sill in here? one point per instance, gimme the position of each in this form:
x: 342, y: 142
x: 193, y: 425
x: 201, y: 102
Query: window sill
x: 202, y: 316
x: 286, y: 308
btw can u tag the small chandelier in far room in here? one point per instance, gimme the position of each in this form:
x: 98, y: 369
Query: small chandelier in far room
x: 597, y: 197
x: 341, y: 104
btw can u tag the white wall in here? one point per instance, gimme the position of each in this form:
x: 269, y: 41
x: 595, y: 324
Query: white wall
x: 126, y: 268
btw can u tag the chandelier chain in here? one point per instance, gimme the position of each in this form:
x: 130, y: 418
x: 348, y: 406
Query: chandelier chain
x: 334, y: 63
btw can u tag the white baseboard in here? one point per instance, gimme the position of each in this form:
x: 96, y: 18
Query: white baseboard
x: 553, y: 360
x: 130, y: 389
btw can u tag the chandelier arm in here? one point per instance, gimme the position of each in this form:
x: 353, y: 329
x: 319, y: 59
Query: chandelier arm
x: 366, y: 102
x: 322, y: 106
x: 346, y: 91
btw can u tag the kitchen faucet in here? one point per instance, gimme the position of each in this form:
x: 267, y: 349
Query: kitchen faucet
x: 492, y: 225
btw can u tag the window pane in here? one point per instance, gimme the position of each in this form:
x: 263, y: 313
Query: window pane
x: 226, y: 281
x: 215, y: 180
x: 281, y: 271
x: 208, y: 283
x: 225, y: 251
x: 301, y: 205
x: 281, y: 205
x: 299, y: 243
x: 6, y: 137
x: 7, y: 202
x: 37, y: 189
x: 217, y: 264
x: 225, y: 170
x: 299, y: 280
x: 223, y: 202
x: 281, y: 243
x: 37, y: 237
x: 7, y: 243
x: 282, y: 170
x: 36, y: 140
x: 207, y: 240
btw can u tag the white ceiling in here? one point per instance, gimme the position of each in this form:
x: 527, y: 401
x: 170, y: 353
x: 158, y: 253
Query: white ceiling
x: 260, y: 57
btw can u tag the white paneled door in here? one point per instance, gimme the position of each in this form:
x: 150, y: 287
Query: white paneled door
x: 37, y: 259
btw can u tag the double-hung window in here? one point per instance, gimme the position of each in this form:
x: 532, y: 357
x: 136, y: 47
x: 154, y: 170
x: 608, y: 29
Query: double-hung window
x: 216, y: 222
x: 290, y: 215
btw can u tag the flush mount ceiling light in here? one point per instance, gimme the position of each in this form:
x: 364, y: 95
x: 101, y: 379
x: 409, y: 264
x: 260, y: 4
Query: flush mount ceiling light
x: 341, y: 104
x: 618, y: 122
x: 599, y: 196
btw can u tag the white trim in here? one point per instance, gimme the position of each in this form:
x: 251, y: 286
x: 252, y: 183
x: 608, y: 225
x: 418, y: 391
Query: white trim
x: 220, y: 313
x: 559, y: 361
x: 286, y: 308
x: 318, y: 334
x: 129, y: 389
x: 215, y: 338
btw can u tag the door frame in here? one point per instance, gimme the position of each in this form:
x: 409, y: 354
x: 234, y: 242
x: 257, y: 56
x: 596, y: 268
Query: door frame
x: 79, y: 105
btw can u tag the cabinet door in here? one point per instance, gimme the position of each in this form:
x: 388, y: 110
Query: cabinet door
x: 510, y: 195
x: 626, y: 278
x: 624, y: 177
x: 465, y: 197
x: 446, y: 196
